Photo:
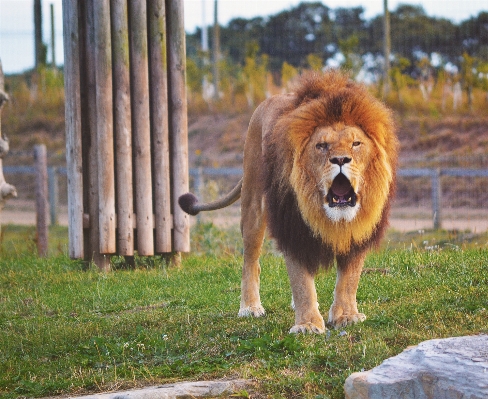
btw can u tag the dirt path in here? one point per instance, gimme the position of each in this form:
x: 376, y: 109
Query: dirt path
x: 475, y: 225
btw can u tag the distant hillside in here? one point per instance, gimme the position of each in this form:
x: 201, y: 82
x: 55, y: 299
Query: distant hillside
x: 430, y: 132
x: 451, y: 141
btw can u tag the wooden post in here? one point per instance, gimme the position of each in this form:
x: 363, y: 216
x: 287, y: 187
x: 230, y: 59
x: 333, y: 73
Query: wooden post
x: 436, y: 199
x: 39, y: 49
x: 122, y: 127
x: 178, y: 121
x: 158, y: 71
x: 105, y: 142
x: 73, y: 127
x: 199, y: 188
x: 141, y: 127
x: 52, y: 181
x: 216, y: 51
x: 89, y: 139
x: 42, y: 202
x: 53, y: 43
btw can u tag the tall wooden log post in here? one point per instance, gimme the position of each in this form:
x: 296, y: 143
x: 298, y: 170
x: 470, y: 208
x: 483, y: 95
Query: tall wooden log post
x: 42, y: 199
x: 72, y: 90
x: 122, y: 127
x: 6, y: 190
x: 104, y: 117
x: 141, y: 127
x: 178, y: 121
x: 158, y: 71
x: 88, y: 95
x: 126, y: 127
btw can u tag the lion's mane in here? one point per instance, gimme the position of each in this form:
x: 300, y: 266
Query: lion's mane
x: 294, y: 205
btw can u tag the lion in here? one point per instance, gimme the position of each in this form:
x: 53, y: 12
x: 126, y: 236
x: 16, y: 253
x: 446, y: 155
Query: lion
x: 319, y: 175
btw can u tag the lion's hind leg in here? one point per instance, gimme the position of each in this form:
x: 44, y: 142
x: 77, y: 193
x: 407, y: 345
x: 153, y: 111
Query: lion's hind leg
x: 344, y: 310
x: 253, y: 226
x: 251, y: 270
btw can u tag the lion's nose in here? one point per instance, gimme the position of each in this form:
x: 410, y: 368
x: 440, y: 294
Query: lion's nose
x: 340, y: 160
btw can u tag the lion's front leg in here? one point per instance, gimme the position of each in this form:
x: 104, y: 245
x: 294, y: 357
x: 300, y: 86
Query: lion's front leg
x: 307, y: 316
x: 344, y: 309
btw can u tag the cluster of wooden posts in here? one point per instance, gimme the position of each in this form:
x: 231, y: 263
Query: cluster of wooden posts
x: 126, y: 128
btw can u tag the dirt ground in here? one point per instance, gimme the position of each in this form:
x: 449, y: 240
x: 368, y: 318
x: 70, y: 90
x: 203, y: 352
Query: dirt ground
x: 402, y: 219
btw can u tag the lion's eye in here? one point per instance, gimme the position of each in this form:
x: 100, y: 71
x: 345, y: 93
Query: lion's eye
x: 356, y: 144
x: 322, y: 146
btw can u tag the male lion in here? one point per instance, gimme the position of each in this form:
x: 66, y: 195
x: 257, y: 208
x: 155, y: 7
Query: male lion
x: 319, y: 171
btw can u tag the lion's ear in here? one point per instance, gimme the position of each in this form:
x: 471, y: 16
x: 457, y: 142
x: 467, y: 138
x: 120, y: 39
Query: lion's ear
x: 187, y: 202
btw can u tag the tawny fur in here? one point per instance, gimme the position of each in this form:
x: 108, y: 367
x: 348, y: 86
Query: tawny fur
x: 290, y: 161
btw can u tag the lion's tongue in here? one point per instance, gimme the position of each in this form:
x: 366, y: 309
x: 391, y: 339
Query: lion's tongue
x: 341, y: 186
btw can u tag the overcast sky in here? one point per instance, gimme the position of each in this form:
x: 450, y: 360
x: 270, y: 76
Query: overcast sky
x: 16, y: 19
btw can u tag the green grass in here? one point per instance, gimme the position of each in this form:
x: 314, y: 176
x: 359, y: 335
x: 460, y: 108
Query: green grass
x: 67, y: 329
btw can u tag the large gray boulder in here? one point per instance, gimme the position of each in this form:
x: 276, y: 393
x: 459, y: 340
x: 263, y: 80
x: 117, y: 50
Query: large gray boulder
x: 452, y: 368
x: 181, y: 390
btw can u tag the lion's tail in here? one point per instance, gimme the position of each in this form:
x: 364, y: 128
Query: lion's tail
x: 189, y: 203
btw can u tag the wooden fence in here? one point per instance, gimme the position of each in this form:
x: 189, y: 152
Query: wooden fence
x: 126, y: 127
x: 434, y: 174
x: 436, y: 188
x: 56, y: 190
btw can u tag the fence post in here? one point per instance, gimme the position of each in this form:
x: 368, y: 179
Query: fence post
x: 158, y: 73
x: 436, y: 199
x: 122, y: 128
x: 52, y: 173
x: 104, y: 126
x: 178, y: 121
x: 73, y: 127
x: 42, y: 203
x: 198, y: 188
x: 141, y: 126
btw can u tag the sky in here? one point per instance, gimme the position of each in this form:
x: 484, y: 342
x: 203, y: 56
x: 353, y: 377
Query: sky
x: 17, y: 38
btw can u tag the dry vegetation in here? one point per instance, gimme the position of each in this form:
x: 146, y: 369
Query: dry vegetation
x: 431, y: 132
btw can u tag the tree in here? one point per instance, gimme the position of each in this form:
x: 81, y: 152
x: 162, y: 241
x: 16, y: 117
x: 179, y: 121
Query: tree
x: 349, y: 49
x: 349, y: 22
x: 468, y: 77
x: 314, y: 62
x: 255, y: 73
x: 474, y: 35
x: 399, y: 78
x: 288, y: 72
x: 293, y: 34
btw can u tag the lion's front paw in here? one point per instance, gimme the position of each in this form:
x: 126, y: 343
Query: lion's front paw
x: 309, y: 328
x: 346, y: 319
x: 255, y: 311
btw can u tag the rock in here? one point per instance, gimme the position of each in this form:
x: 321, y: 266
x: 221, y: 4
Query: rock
x: 199, y: 389
x: 451, y: 368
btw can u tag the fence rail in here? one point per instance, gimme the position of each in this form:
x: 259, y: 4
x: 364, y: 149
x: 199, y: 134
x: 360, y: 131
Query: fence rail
x: 201, y: 173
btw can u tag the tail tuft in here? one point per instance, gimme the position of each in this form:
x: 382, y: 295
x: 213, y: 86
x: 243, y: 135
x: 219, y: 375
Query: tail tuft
x: 187, y: 203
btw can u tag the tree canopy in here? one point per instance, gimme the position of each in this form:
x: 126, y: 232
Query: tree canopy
x: 313, y: 28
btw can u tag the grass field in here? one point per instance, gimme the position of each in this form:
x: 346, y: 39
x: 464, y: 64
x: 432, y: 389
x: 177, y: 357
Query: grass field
x: 67, y: 329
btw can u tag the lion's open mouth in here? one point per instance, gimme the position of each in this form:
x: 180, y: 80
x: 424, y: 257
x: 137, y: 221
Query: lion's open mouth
x: 341, y: 193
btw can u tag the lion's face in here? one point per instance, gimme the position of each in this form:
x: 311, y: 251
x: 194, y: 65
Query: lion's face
x: 341, y: 177
x: 338, y: 156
